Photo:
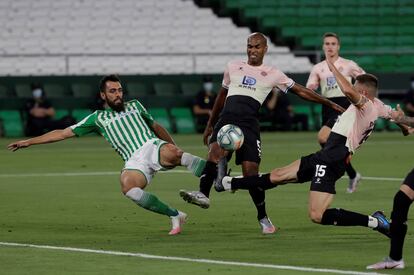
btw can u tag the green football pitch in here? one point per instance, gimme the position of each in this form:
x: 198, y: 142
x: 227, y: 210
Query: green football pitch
x: 64, y: 200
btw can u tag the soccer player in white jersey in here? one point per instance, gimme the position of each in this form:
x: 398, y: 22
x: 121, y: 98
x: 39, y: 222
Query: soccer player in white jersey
x: 245, y: 86
x: 322, y: 77
x: 326, y: 166
x: 144, y: 145
x: 401, y: 205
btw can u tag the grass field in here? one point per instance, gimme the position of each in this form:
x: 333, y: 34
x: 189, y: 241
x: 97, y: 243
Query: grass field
x: 67, y: 195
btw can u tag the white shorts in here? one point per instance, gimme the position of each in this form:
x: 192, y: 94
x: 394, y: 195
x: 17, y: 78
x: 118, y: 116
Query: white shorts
x: 146, y: 159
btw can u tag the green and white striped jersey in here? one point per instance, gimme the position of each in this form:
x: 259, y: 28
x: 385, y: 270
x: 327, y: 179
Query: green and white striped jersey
x: 126, y: 131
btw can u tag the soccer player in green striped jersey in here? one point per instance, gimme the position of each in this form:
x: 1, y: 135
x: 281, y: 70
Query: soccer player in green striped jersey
x: 144, y: 145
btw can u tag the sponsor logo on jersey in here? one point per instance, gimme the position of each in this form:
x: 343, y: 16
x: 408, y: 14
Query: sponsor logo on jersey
x: 330, y: 81
x: 248, y: 82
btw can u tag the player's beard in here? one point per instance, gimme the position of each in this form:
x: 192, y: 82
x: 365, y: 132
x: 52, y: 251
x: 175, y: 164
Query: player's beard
x: 117, y: 106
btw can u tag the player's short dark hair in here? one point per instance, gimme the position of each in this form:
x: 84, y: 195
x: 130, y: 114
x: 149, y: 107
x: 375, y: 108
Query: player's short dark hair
x: 369, y: 80
x: 331, y: 34
x: 110, y: 77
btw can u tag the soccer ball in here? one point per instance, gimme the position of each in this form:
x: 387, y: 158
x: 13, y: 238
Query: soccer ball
x: 230, y: 137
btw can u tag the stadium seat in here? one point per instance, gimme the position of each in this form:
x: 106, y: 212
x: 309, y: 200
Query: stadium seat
x: 82, y: 90
x: 307, y: 110
x: 4, y: 92
x: 161, y: 116
x: 54, y: 90
x: 23, y: 90
x: 80, y: 114
x: 11, y: 123
x: 190, y: 88
x: 138, y: 89
x: 184, y: 121
x: 165, y: 89
x: 59, y: 113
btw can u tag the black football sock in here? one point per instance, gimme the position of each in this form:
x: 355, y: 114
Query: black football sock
x: 261, y: 181
x: 341, y: 217
x: 398, y: 225
x: 350, y: 171
x: 207, y: 177
x: 258, y: 197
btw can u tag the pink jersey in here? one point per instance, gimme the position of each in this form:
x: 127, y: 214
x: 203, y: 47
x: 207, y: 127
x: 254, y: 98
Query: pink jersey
x: 321, y: 76
x: 356, y: 124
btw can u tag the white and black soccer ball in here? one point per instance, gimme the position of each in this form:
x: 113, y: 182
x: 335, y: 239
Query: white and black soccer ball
x: 230, y: 137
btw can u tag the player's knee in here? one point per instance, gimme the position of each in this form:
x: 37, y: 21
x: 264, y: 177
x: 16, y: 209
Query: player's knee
x: 277, y: 175
x: 315, y: 216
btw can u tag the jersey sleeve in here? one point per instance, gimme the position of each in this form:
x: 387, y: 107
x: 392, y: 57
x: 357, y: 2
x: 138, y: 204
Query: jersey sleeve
x: 313, y: 80
x: 283, y: 82
x: 355, y: 70
x: 85, y: 126
x: 226, y: 78
x: 384, y: 110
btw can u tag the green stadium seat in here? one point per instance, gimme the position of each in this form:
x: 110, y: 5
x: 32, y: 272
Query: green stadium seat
x: 83, y: 90
x: 138, y: 89
x: 54, y: 90
x: 59, y: 113
x: 11, y: 123
x: 380, y: 124
x: 4, y: 92
x: 80, y: 114
x: 165, y: 89
x: 161, y: 116
x: 23, y: 90
x: 184, y: 120
x: 190, y: 88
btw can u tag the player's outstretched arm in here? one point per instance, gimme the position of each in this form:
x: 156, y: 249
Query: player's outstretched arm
x: 52, y: 136
x: 218, y: 106
x: 310, y: 95
x: 355, y: 97
x: 162, y: 133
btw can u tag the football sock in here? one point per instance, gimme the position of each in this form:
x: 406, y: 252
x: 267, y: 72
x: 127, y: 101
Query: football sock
x: 341, y: 217
x: 261, y: 181
x: 350, y: 171
x: 150, y: 202
x: 207, y: 177
x: 258, y: 197
x: 193, y: 163
x: 398, y: 228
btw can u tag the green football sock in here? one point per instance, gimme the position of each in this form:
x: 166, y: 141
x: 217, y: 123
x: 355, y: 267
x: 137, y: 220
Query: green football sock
x: 152, y: 203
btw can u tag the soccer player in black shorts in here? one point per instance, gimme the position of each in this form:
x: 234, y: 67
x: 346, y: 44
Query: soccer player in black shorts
x: 321, y: 76
x: 245, y: 87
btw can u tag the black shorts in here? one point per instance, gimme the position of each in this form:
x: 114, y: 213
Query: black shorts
x: 326, y: 166
x: 409, y: 179
x: 329, y: 115
x: 251, y: 149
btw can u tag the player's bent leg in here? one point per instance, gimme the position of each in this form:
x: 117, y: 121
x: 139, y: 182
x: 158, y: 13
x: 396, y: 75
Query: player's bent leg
x: 132, y: 184
x: 323, y: 134
x: 286, y: 174
x: 318, y: 204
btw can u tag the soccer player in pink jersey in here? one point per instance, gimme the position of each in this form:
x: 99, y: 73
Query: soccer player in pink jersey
x: 245, y: 86
x: 326, y: 166
x: 401, y: 205
x: 322, y: 77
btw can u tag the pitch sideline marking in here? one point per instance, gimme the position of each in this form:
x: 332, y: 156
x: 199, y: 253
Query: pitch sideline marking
x: 110, y: 173
x: 168, y: 258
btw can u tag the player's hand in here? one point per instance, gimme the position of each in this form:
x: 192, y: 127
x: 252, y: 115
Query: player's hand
x: 397, y: 114
x: 206, y: 134
x: 17, y: 145
x: 338, y: 108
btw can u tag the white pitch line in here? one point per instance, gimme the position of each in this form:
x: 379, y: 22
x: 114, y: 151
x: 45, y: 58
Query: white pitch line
x: 110, y: 173
x: 182, y: 259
